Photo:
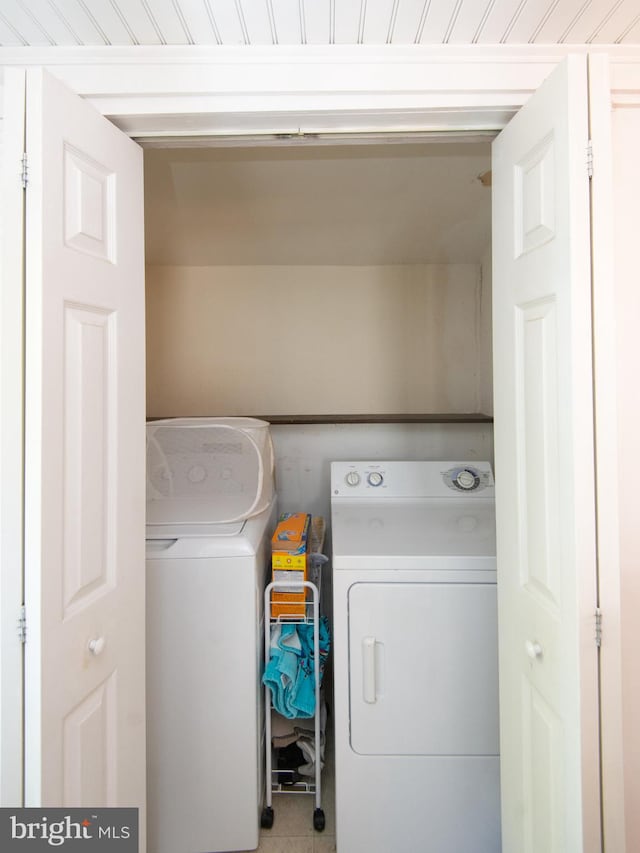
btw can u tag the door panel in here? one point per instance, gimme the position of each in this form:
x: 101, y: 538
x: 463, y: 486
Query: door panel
x: 90, y: 762
x: 424, y: 669
x: 536, y: 416
x: 85, y: 716
x: 545, y: 510
x: 90, y: 441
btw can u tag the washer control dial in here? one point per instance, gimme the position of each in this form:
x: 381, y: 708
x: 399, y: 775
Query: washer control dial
x: 466, y: 480
x: 375, y: 479
x: 352, y: 478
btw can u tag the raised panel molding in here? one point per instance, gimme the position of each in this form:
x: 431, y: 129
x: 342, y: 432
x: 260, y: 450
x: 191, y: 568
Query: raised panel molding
x: 90, y: 754
x: 534, y: 201
x: 89, y: 394
x: 89, y: 205
x: 537, y: 418
x: 542, y: 732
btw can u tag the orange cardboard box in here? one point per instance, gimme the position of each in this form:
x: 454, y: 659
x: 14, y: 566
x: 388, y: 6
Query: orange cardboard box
x: 291, y: 533
x: 289, y: 556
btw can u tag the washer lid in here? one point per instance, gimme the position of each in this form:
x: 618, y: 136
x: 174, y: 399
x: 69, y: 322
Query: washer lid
x: 235, y: 539
x: 181, y: 531
x: 413, y: 528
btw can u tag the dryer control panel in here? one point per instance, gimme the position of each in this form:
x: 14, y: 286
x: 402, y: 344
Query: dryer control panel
x: 420, y: 479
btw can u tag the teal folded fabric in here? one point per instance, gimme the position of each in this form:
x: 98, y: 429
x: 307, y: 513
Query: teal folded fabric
x: 290, y: 672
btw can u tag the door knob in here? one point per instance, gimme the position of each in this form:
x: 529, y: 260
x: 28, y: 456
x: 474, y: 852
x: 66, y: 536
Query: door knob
x: 97, y: 645
x: 534, y: 649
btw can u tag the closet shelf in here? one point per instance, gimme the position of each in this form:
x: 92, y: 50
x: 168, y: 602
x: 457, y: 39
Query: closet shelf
x: 429, y: 418
x: 436, y: 418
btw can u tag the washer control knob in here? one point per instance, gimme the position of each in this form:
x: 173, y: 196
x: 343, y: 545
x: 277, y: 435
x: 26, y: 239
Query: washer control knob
x: 375, y: 478
x: 352, y: 478
x: 466, y: 480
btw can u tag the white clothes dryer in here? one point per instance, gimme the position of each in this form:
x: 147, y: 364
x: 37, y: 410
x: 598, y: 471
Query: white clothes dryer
x: 415, y: 657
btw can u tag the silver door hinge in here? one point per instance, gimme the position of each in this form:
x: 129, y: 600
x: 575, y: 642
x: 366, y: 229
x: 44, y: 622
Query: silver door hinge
x: 24, y: 171
x: 22, y: 625
x: 590, y: 158
x: 598, y: 627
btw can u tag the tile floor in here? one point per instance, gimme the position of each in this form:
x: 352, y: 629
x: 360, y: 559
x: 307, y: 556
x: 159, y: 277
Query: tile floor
x: 292, y: 830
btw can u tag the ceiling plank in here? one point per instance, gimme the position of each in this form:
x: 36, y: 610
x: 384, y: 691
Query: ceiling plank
x: 632, y: 33
x: 408, y: 16
x: 602, y: 26
x: 440, y: 21
x: 317, y: 16
x: 108, y: 21
x: 166, y: 21
x: 347, y: 22
x: 231, y: 21
x: 531, y: 21
x: 198, y: 21
x: 287, y: 21
x: 470, y: 21
x: 501, y: 19
x: 37, y: 23
x: 139, y: 22
x: 9, y: 36
x: 564, y: 17
x: 257, y: 26
x: 377, y: 22
x: 80, y: 22
x: 55, y: 22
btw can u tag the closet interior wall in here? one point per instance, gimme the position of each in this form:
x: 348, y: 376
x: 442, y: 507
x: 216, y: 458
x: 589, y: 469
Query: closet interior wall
x: 347, y: 282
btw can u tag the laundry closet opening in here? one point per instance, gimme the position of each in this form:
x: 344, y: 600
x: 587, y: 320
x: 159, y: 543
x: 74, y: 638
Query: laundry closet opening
x: 342, y: 292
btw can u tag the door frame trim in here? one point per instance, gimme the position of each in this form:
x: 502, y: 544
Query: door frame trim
x: 154, y: 93
x: 12, y: 443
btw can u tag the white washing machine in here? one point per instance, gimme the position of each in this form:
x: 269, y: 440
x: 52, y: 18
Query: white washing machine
x: 205, y: 585
x: 415, y: 657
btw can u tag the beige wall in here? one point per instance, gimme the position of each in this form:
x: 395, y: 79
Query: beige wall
x: 486, y: 326
x: 313, y: 340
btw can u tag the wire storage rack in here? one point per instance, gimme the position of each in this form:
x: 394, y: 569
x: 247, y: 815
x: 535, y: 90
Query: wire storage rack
x: 277, y: 780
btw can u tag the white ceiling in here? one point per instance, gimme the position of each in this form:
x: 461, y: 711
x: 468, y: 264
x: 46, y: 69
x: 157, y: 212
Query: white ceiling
x: 309, y: 205
x: 358, y: 205
x: 295, y: 22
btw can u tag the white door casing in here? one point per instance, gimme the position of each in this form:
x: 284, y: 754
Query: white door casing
x: 11, y: 438
x: 84, y: 446
x: 587, y: 631
x: 606, y: 395
x: 544, y: 472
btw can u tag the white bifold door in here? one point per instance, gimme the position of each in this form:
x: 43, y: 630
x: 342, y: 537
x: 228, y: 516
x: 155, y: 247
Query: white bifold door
x: 544, y: 470
x: 84, y: 456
